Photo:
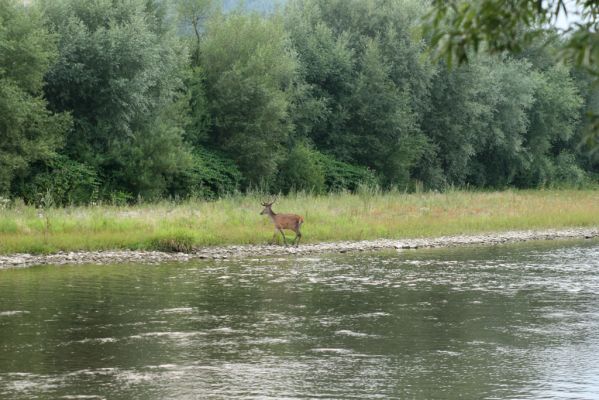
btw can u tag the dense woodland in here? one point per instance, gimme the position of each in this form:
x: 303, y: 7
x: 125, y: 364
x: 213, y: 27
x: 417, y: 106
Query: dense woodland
x: 128, y: 100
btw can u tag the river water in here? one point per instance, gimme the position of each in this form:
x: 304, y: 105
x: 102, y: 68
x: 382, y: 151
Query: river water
x: 518, y: 321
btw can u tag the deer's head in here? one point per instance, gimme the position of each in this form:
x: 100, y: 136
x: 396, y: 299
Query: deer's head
x: 267, y: 207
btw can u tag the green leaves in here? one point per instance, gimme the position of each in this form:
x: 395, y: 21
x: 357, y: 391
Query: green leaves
x: 28, y: 131
x: 456, y: 27
x: 362, y: 61
x: 121, y: 79
x: 324, y: 95
x: 250, y: 69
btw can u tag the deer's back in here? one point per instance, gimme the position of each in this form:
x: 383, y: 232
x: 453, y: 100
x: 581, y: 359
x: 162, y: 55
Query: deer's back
x: 288, y: 221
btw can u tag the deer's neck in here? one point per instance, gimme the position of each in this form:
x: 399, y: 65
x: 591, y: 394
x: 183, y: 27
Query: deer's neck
x: 272, y: 214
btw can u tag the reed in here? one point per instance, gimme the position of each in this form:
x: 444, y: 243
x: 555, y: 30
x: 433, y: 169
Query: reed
x: 342, y: 216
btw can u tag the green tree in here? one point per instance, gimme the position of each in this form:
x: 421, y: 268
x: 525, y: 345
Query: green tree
x: 499, y: 122
x: 457, y: 27
x: 383, y: 129
x: 193, y: 15
x: 28, y: 131
x: 554, y: 117
x: 301, y: 171
x: 510, y: 96
x: 457, y: 121
x: 250, y: 71
x: 327, y: 68
x: 119, y: 73
x: 364, y: 67
x: 198, y: 124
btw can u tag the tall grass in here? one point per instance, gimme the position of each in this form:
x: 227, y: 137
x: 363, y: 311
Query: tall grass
x: 236, y: 220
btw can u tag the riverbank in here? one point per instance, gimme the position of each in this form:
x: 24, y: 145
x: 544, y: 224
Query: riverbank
x: 232, y: 252
x: 340, y: 217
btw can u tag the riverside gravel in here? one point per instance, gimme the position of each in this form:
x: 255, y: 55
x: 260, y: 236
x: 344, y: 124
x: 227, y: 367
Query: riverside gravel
x: 240, y: 251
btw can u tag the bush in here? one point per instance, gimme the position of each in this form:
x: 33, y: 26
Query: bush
x: 301, y: 171
x: 211, y: 175
x: 341, y: 176
x: 567, y: 172
x: 60, y: 179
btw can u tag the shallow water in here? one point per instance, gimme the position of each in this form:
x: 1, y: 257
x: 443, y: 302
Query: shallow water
x: 488, y: 322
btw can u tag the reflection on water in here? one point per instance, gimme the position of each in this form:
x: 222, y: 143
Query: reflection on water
x: 501, y: 322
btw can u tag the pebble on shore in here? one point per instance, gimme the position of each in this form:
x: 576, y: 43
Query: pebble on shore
x: 236, y: 251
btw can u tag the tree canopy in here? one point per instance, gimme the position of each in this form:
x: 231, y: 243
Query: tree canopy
x: 117, y: 101
x: 29, y: 131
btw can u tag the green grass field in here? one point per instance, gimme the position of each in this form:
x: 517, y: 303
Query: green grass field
x: 236, y: 220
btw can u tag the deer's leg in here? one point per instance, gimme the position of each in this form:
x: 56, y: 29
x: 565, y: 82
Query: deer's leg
x: 274, y: 237
x: 284, y: 239
x: 298, y: 234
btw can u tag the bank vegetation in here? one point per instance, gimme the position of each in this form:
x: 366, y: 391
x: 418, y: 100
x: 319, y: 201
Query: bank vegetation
x: 367, y: 214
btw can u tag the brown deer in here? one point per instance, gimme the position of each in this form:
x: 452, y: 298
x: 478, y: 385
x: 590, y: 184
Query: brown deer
x: 292, y: 222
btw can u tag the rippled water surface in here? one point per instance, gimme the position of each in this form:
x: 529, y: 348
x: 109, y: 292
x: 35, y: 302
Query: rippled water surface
x: 498, y: 322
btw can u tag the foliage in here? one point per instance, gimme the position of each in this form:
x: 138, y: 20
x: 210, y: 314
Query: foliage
x: 198, y: 125
x: 125, y: 101
x: 359, y: 59
x: 64, y: 181
x: 301, y: 171
x: 340, y: 176
x: 500, y: 122
x: 119, y: 74
x: 249, y: 68
x: 456, y: 27
x: 567, y: 172
x: 211, y: 176
x: 29, y: 132
x: 553, y: 118
x: 193, y: 15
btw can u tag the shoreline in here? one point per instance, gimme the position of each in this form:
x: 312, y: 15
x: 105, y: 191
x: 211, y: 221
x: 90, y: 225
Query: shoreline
x: 241, y: 251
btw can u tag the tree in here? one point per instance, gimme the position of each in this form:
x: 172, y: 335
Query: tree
x: 382, y: 129
x: 457, y: 27
x: 195, y: 13
x: 28, y: 131
x: 457, y: 121
x: 326, y: 65
x: 498, y: 121
x: 363, y: 67
x: 250, y: 71
x: 301, y: 171
x: 510, y: 96
x: 119, y: 73
x: 554, y: 117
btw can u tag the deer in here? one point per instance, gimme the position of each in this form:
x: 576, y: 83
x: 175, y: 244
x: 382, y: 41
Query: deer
x: 293, y: 222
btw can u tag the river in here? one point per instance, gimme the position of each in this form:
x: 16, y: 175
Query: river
x: 497, y: 322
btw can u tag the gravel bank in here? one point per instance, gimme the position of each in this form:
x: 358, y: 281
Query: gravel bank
x: 225, y: 252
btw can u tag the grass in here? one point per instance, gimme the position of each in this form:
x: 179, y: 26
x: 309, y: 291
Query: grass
x: 236, y: 220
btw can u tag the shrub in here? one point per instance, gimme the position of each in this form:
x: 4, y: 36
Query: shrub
x: 567, y: 172
x: 341, y: 176
x: 60, y: 179
x: 211, y: 175
x: 301, y: 171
